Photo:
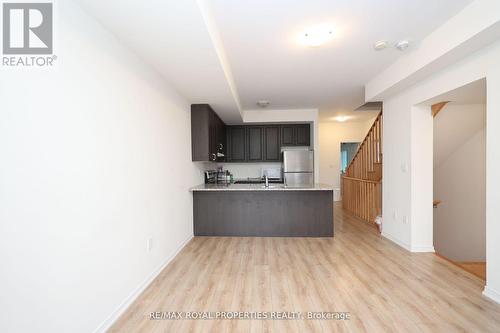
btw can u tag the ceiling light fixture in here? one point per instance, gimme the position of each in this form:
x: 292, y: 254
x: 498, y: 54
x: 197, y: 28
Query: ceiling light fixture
x: 317, y: 35
x: 380, y: 45
x: 263, y: 104
x: 341, y: 119
x: 402, y: 45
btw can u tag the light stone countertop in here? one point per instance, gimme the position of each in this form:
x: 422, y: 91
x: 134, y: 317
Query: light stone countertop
x: 258, y: 187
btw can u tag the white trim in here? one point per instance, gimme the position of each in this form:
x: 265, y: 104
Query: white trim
x: 397, y: 241
x: 106, y: 324
x: 423, y: 249
x: 491, y: 294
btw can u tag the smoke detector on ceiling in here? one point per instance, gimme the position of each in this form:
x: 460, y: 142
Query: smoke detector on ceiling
x: 263, y: 104
x: 380, y: 45
x: 402, y: 45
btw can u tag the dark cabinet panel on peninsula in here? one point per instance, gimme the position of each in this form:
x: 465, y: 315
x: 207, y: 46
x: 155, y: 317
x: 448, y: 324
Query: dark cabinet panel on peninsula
x: 286, y: 213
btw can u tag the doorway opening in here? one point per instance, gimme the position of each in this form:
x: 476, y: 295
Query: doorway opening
x: 347, y: 152
x: 459, y: 177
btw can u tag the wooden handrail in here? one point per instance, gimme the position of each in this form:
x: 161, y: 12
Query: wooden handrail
x: 362, y: 181
x: 435, y: 108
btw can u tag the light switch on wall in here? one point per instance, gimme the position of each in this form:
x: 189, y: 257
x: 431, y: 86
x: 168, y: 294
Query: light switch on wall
x: 149, y: 244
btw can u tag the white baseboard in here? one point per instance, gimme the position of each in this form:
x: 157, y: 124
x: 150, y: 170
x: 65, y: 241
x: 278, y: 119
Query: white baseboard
x: 491, y: 294
x: 397, y: 241
x: 408, y: 247
x: 423, y: 249
x: 138, y: 290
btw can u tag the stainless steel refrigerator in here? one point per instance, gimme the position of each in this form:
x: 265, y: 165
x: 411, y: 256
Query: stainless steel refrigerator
x: 298, y: 167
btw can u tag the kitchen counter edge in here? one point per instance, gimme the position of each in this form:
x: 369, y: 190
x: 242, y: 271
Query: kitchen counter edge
x: 257, y: 187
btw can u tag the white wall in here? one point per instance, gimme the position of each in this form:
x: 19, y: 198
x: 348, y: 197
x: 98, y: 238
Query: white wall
x: 453, y: 126
x: 396, y: 189
x: 460, y: 183
x: 331, y: 135
x: 95, y: 160
x: 421, y: 180
x: 402, y: 133
x: 492, y: 288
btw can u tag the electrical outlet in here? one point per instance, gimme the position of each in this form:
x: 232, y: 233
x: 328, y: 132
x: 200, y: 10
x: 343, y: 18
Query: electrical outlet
x: 149, y: 244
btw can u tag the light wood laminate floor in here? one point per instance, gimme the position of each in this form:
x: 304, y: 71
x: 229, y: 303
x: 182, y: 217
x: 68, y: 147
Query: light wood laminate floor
x: 382, y: 286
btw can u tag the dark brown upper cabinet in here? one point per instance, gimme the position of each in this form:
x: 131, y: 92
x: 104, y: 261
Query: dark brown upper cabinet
x: 287, y: 135
x: 213, y: 141
x: 303, y: 135
x: 208, y: 134
x: 255, y: 147
x: 272, y: 146
x: 236, y: 143
x: 296, y: 135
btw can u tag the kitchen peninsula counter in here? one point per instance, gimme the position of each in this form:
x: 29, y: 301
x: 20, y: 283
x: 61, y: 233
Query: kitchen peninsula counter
x: 259, y: 211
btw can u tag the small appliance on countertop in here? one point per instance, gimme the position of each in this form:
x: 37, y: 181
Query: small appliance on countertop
x: 210, y: 176
x: 219, y: 176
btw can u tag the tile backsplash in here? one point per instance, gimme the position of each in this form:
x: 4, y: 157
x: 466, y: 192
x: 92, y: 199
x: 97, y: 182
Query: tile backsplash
x: 247, y: 170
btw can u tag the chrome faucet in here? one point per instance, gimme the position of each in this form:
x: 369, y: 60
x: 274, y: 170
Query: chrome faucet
x: 267, y: 181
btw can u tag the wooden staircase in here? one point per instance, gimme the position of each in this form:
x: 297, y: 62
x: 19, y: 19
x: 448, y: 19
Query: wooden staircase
x: 362, y: 181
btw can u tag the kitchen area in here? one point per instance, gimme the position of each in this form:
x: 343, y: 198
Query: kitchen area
x: 259, y: 180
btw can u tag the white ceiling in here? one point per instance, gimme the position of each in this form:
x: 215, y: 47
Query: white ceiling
x: 172, y: 36
x: 258, y: 47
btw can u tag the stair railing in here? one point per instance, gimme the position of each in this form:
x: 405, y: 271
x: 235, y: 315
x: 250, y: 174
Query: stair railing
x: 362, y: 181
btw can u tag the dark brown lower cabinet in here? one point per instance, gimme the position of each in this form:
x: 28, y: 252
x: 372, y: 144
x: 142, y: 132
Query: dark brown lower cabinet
x: 286, y: 213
